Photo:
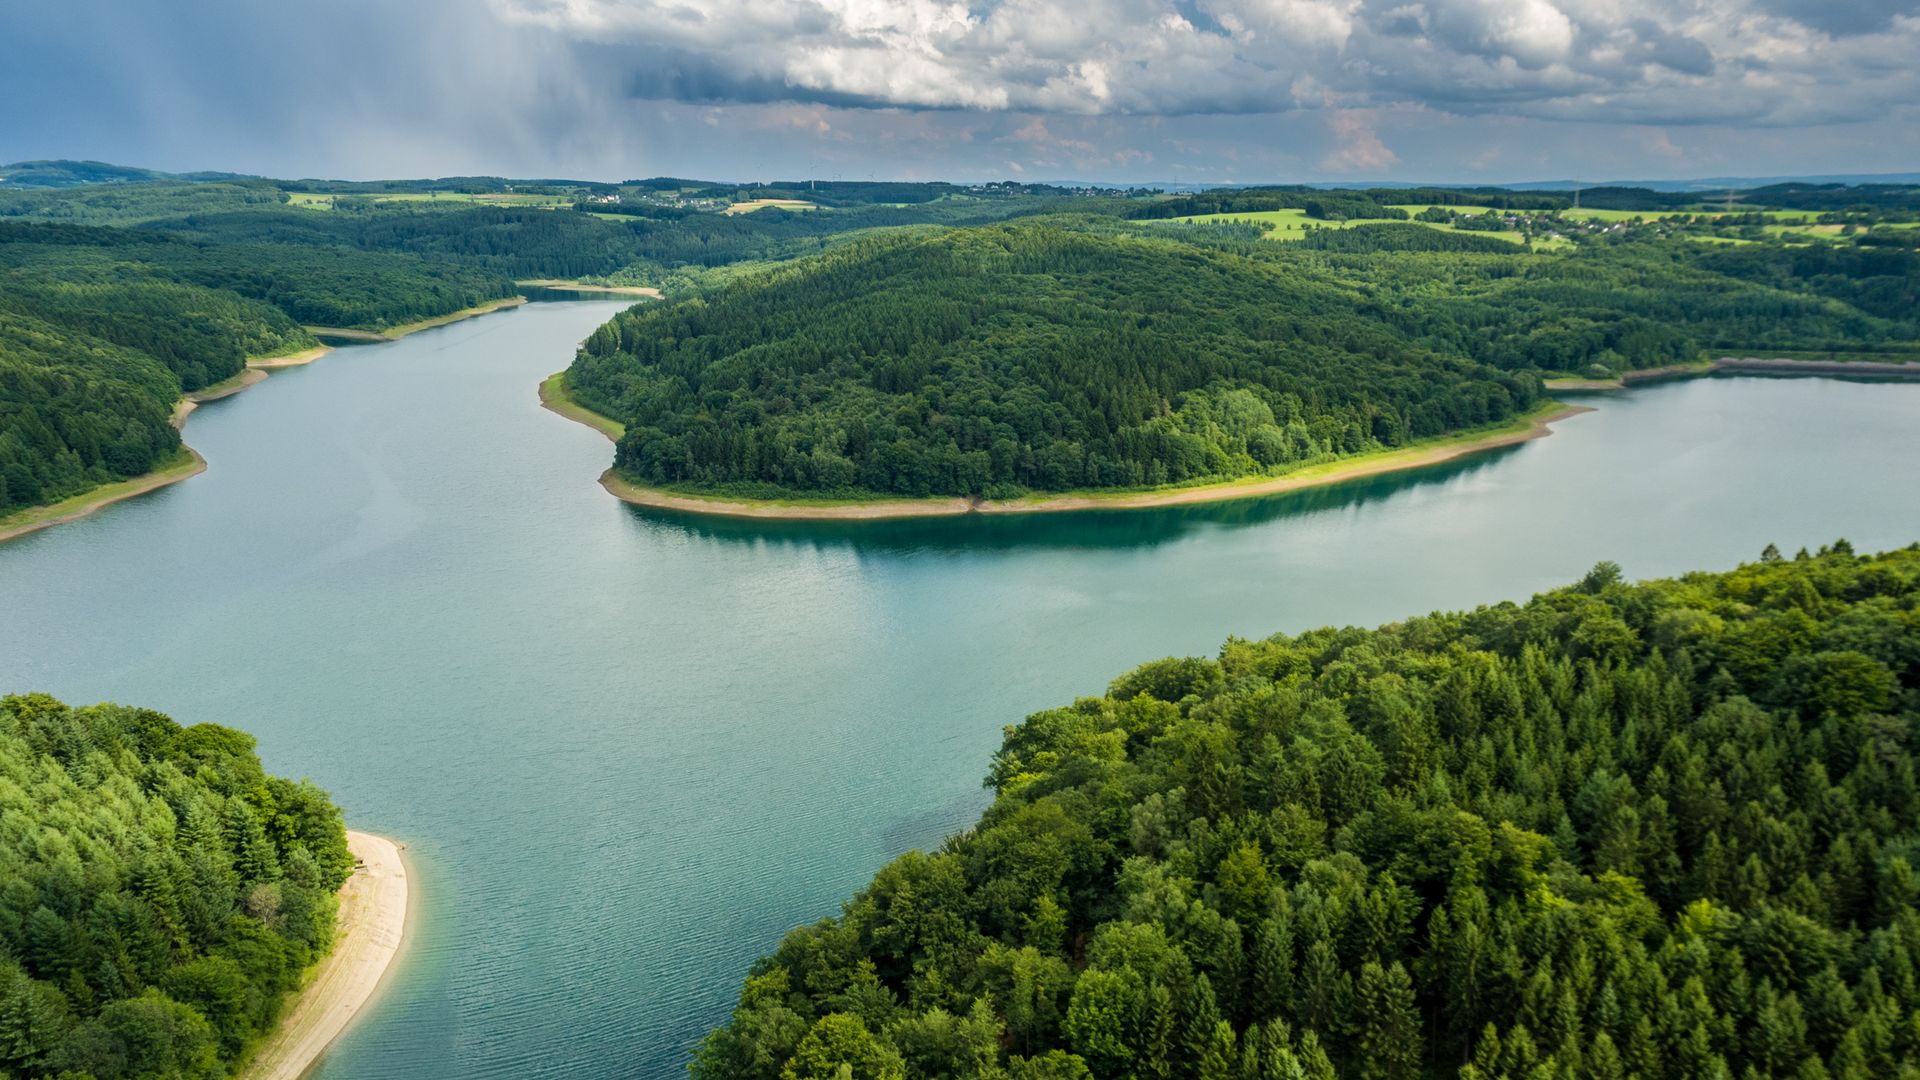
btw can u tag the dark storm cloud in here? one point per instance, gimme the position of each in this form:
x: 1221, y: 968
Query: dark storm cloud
x: 1758, y: 61
x: 1843, y: 17
x: 1093, y: 88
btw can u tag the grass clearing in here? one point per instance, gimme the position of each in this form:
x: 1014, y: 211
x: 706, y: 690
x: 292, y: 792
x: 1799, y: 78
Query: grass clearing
x: 1289, y: 224
x: 1292, y: 224
x: 319, y: 200
x: 554, y: 395
x: 751, y: 205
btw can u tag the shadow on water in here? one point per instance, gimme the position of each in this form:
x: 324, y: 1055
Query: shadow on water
x: 1069, y: 530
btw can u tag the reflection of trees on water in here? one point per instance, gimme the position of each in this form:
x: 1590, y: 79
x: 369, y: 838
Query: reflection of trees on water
x: 1086, y: 529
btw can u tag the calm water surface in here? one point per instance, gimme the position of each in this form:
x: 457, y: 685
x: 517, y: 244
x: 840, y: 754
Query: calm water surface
x: 628, y: 751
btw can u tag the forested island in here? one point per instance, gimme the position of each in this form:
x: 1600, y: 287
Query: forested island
x: 160, y: 895
x: 1653, y: 830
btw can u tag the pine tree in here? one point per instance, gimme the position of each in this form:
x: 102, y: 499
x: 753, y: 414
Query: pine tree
x: 1201, y: 1016
x: 1319, y: 1004
x: 1217, y: 1061
x: 1602, y: 1060
x: 1156, y: 1026
x: 1487, y: 1052
x: 1388, y: 1037
x: 1314, y: 1062
x: 1271, y: 983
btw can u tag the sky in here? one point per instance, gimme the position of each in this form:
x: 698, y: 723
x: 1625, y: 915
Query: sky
x: 1113, y: 91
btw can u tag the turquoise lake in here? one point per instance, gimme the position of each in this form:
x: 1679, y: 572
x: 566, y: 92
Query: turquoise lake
x: 628, y: 750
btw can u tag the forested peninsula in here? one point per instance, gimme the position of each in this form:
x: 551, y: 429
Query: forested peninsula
x: 123, y: 290
x: 848, y: 343
x: 1083, y: 354
x: 160, y: 895
x: 1653, y: 830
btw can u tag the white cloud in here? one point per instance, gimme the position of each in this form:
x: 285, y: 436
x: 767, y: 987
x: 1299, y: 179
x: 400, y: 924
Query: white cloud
x: 1357, y: 147
x: 1653, y: 61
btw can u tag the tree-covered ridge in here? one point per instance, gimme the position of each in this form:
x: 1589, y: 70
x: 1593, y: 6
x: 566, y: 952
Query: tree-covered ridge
x: 103, y: 329
x: 1083, y: 352
x: 1322, y: 204
x: 159, y: 893
x: 994, y: 360
x: 76, y: 412
x: 1656, y: 830
x: 1609, y: 309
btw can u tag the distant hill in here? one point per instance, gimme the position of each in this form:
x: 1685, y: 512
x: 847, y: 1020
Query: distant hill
x: 1722, y: 183
x: 1700, y: 184
x: 62, y: 174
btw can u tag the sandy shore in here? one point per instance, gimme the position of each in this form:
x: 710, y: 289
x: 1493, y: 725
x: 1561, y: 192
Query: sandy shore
x: 1771, y: 366
x: 395, y: 333
x: 1533, y: 427
x: 373, y: 923
x: 189, y: 462
x: 1747, y: 364
x: 1642, y: 375
x: 305, y: 356
x: 559, y: 285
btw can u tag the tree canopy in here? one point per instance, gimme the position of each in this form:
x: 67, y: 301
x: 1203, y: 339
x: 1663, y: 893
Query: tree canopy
x: 1079, y: 351
x: 1019, y: 357
x: 160, y: 895
x: 1655, y: 830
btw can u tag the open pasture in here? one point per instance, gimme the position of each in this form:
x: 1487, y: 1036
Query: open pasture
x: 751, y: 205
x: 324, y: 200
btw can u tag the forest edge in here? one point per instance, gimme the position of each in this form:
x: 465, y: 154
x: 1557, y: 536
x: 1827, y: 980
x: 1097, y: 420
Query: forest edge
x: 1536, y: 424
x: 188, y: 462
x: 368, y: 934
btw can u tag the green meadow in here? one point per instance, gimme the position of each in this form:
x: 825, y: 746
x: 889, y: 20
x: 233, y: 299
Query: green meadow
x: 1292, y: 224
x: 321, y: 200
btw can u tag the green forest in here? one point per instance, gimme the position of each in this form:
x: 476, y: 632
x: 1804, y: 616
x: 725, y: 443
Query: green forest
x: 1078, y: 351
x: 120, y: 289
x: 160, y: 895
x: 103, y: 329
x: 885, y: 339
x: 1653, y: 830
x: 1009, y: 358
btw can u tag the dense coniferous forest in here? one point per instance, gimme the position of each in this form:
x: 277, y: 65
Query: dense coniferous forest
x: 1660, y: 831
x: 989, y: 361
x: 159, y: 894
x: 1075, y: 352
x: 102, y: 330
x: 1079, y: 340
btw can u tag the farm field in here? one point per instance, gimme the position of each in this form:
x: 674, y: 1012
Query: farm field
x: 1292, y: 224
x: 320, y: 200
x: 751, y: 205
x: 1288, y: 224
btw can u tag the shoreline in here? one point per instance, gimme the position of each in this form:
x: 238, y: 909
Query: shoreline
x: 91, y: 501
x: 375, y: 909
x: 188, y: 463
x: 1751, y: 365
x: 562, y: 285
x: 287, y: 360
x: 1538, y: 424
x: 554, y: 398
x: 395, y: 333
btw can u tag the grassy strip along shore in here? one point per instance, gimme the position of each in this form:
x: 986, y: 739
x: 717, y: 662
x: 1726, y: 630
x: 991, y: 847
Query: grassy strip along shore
x: 554, y: 396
